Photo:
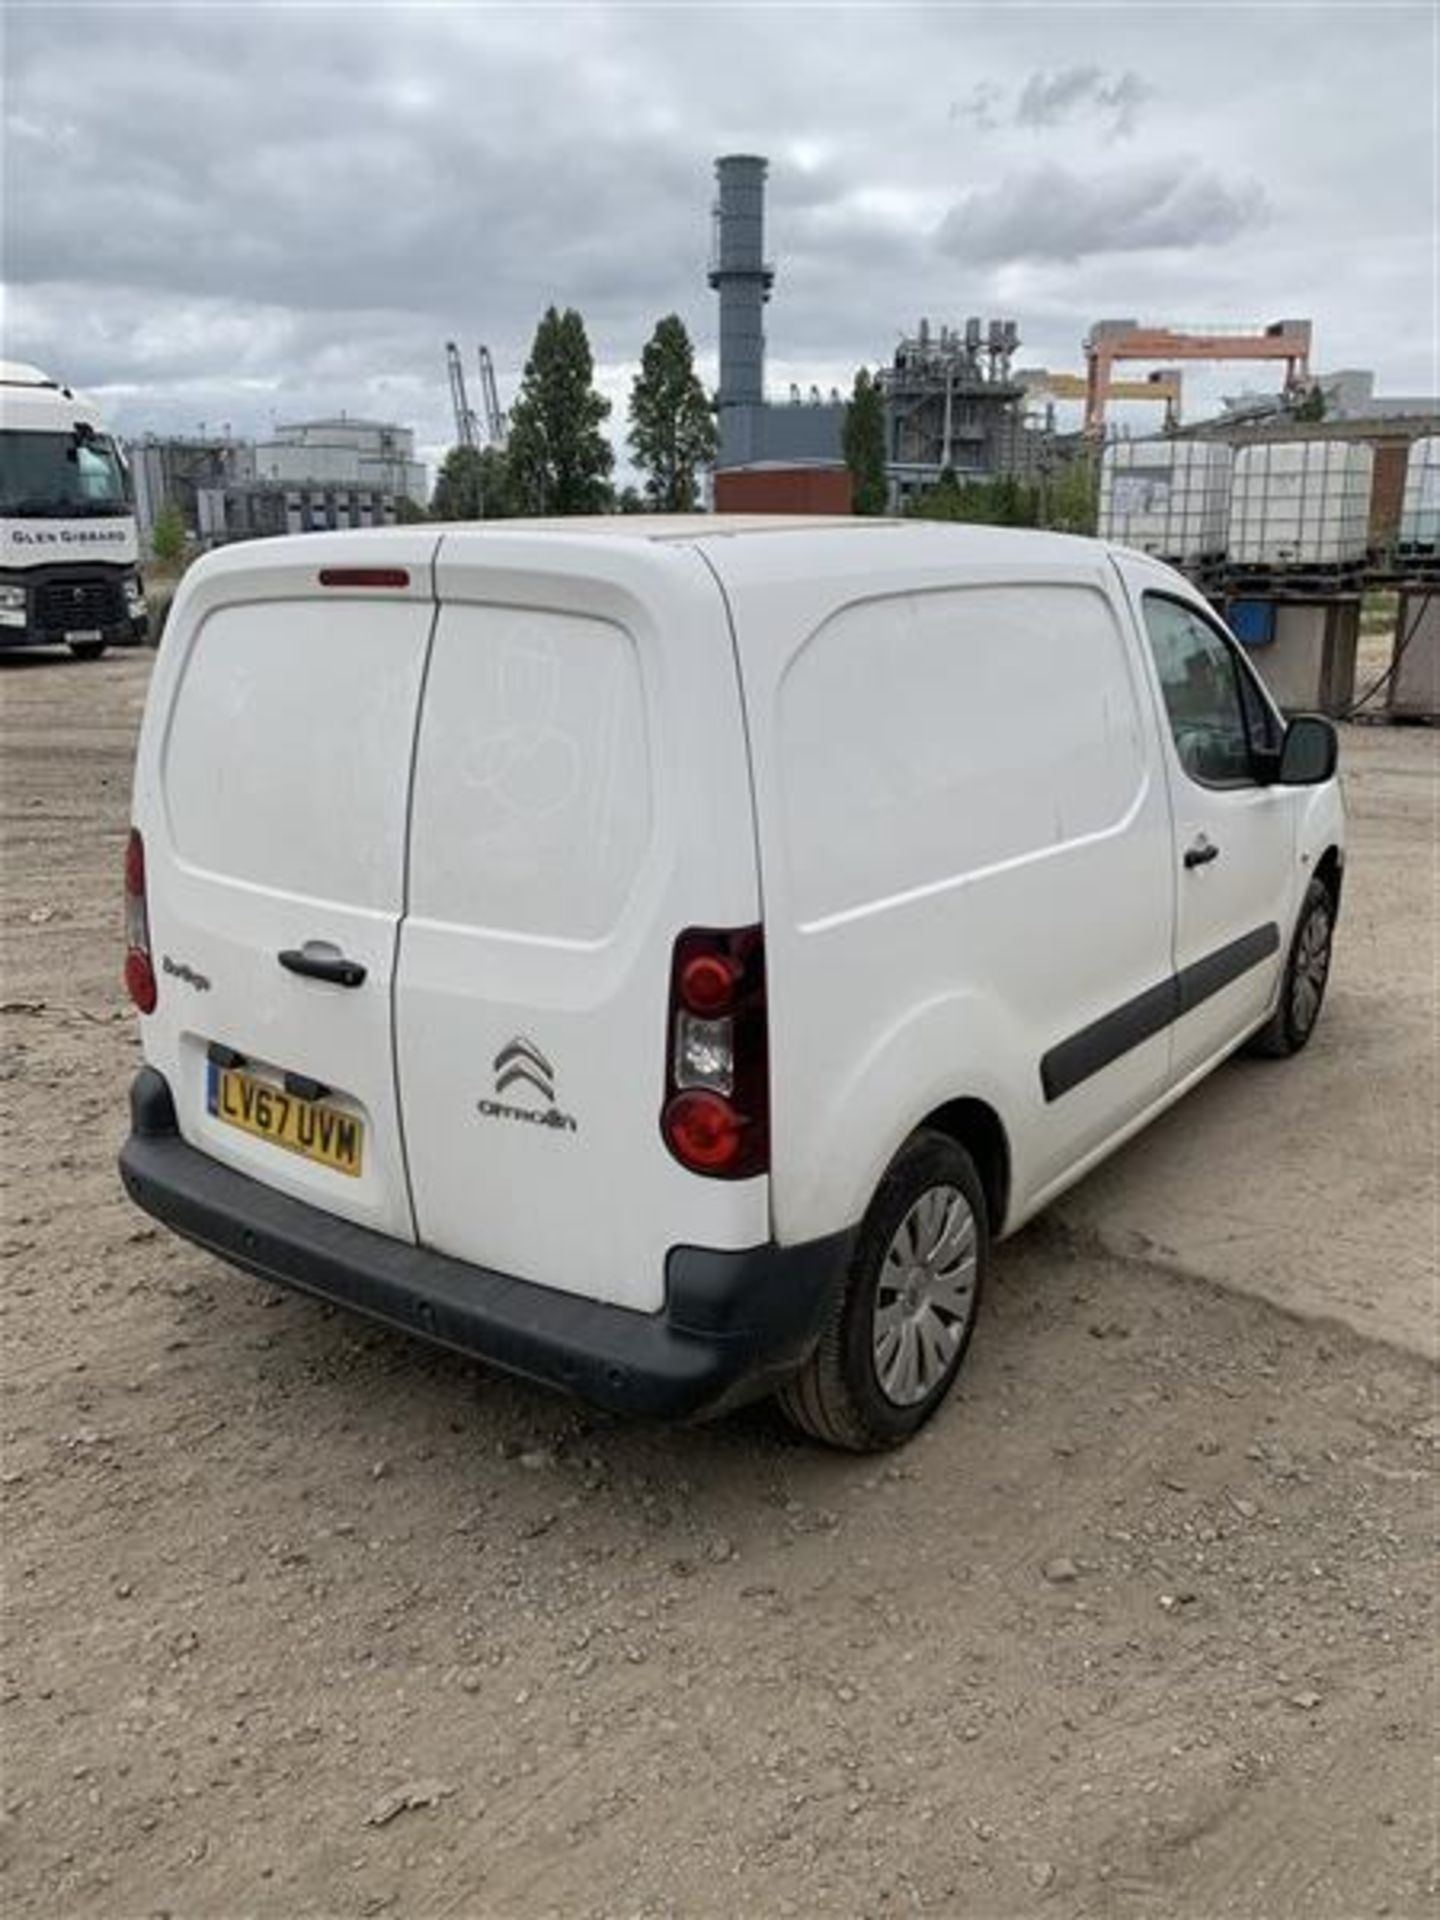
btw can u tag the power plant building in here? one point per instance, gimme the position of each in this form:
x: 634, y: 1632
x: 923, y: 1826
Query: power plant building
x: 343, y: 453
x: 310, y: 476
x: 178, y: 470
x: 952, y: 402
x: 951, y: 397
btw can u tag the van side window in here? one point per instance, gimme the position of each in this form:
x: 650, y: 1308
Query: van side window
x: 1200, y: 680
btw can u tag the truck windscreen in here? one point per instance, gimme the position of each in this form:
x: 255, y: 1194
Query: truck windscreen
x: 59, y: 476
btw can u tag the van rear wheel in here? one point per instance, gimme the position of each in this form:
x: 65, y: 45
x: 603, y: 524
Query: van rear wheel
x: 899, y: 1327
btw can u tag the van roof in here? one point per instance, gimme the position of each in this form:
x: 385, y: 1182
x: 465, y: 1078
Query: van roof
x: 877, y: 553
x: 960, y: 541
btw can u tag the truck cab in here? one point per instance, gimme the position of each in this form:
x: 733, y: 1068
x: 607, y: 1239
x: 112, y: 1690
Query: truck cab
x: 68, y: 549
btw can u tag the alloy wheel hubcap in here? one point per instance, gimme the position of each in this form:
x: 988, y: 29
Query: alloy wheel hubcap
x: 925, y: 1298
x: 1312, y: 965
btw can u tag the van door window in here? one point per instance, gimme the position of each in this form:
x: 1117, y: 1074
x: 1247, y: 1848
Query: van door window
x: 1200, y: 681
x: 1264, y: 726
x: 532, y: 807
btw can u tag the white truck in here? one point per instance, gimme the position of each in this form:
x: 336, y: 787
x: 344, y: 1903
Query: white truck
x: 68, y: 548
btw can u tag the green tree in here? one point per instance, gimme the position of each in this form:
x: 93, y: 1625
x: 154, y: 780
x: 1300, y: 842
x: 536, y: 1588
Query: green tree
x: 408, y: 512
x: 1003, y: 502
x: 473, y: 484
x: 1012, y: 503
x: 949, y: 500
x: 1074, y: 502
x: 167, y: 536
x: 559, y: 460
x: 631, y: 500
x: 862, y: 440
x: 1313, y: 406
x: 672, y: 423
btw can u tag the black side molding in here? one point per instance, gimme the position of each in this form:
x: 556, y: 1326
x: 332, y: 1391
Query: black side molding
x: 1105, y: 1039
x: 1204, y: 977
x: 1113, y: 1034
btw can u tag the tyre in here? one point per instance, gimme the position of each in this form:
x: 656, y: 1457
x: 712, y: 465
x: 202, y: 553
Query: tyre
x: 1302, y: 991
x: 87, y: 649
x: 899, y: 1327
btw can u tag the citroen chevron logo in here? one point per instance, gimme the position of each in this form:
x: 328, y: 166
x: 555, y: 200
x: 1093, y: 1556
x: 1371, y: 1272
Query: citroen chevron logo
x: 521, y: 1059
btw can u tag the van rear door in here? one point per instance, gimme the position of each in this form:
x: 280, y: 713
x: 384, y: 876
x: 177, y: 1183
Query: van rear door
x: 271, y: 794
x: 581, y: 796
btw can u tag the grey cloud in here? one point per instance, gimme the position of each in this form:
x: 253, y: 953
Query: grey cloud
x: 212, y: 211
x: 1052, y: 214
x: 331, y: 171
x: 980, y: 106
x: 1050, y: 99
x: 1124, y: 97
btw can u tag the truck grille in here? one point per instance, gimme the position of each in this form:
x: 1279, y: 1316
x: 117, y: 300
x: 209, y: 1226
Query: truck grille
x: 73, y: 606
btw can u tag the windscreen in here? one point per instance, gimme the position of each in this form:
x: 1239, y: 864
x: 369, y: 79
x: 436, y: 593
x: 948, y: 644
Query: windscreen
x: 61, y: 476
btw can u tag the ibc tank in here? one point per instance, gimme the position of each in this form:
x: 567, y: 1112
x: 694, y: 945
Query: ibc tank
x: 1302, y: 503
x: 1166, y: 497
x: 1419, y: 528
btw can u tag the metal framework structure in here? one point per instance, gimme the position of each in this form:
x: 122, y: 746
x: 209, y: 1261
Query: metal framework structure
x: 497, y: 421
x: 466, y: 427
x: 1113, y: 340
x: 1164, y: 385
x: 953, y: 401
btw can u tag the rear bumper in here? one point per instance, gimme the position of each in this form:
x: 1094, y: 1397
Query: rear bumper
x: 733, y: 1324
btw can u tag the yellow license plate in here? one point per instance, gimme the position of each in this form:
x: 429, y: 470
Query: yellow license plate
x: 307, y: 1127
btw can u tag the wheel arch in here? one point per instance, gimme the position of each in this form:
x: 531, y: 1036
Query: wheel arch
x: 1330, y: 872
x: 976, y: 1126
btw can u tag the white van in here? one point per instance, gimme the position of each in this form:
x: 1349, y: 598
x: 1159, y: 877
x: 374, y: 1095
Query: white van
x: 661, y: 957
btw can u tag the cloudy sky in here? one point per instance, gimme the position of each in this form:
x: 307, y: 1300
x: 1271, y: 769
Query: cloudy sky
x: 235, y: 213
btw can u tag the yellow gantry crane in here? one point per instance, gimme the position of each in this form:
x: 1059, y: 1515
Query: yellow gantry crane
x: 1162, y: 386
x: 1110, y: 341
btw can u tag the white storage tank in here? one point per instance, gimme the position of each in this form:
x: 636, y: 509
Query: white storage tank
x: 1419, y: 529
x: 1166, y: 497
x: 1301, y: 503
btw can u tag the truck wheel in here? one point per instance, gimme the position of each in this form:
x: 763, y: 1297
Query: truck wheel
x: 898, y: 1329
x: 87, y: 649
x: 1306, y: 971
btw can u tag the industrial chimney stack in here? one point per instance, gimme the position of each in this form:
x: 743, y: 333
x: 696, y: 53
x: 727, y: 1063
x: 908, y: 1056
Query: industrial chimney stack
x: 741, y: 277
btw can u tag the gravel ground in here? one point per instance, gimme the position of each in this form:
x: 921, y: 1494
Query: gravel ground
x: 303, y: 1618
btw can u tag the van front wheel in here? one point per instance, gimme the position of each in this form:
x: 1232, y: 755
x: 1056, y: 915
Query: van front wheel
x: 1302, y: 988
x: 898, y: 1329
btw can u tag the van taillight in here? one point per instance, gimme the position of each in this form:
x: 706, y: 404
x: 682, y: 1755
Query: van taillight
x: 716, y: 1117
x: 139, y: 973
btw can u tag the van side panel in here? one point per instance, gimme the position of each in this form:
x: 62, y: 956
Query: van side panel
x: 965, y: 845
x: 581, y: 796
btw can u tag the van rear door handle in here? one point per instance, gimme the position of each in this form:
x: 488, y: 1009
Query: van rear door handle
x: 317, y: 960
x: 1201, y: 852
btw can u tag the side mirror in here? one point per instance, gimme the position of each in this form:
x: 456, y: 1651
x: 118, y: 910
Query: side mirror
x: 1309, y: 752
